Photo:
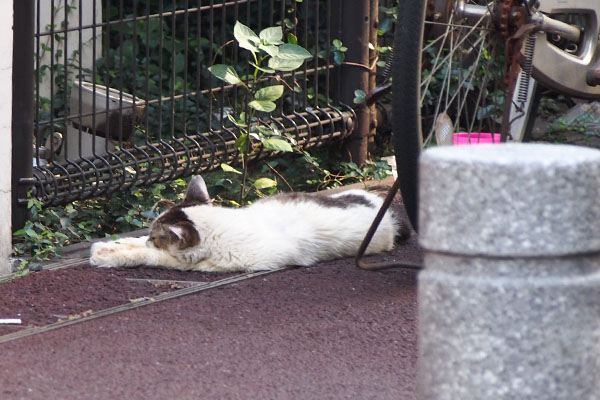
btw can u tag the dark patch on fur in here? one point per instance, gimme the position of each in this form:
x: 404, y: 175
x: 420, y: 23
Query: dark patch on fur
x: 173, y: 215
x: 161, y: 236
x: 341, y: 201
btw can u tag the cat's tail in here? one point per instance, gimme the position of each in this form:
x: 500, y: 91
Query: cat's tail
x: 403, y: 232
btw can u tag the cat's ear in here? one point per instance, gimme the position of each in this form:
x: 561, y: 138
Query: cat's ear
x: 197, y: 191
x: 177, y: 230
x: 186, y: 233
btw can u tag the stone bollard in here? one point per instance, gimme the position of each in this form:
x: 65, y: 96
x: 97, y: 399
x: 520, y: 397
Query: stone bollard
x: 509, y: 300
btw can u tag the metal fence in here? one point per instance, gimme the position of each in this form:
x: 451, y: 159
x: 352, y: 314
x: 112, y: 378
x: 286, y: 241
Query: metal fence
x: 123, y: 96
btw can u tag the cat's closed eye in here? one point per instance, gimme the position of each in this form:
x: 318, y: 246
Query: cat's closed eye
x: 158, y: 240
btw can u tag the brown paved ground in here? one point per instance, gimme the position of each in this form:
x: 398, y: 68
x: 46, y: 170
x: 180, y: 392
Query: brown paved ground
x: 330, y: 331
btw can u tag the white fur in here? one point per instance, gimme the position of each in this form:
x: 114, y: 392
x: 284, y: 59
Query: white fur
x: 265, y: 235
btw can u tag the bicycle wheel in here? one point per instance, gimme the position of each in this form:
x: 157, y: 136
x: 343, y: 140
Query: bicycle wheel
x: 447, y: 78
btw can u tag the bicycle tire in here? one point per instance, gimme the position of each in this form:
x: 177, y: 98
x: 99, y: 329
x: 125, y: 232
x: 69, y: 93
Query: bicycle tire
x: 407, y: 134
x: 412, y: 127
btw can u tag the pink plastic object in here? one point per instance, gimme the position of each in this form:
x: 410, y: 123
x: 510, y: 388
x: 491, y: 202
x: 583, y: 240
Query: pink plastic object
x: 463, y: 138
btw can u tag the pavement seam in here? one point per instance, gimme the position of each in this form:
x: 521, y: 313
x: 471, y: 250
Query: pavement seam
x: 130, y: 306
x: 72, y: 262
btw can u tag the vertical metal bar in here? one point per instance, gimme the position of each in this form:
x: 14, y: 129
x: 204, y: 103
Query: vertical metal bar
x: 235, y: 56
x: 223, y: 31
x: 199, y: 64
x: 328, y: 53
x: 22, y: 107
x: 211, y: 39
x: 355, y: 36
x: 147, y: 71
x: 316, y: 56
x: 38, y: 131
x: 186, y: 45
x: 173, y: 77
x: 79, y: 74
x: 151, y: 176
x: 52, y: 71
x: 304, y: 42
x: 160, y: 71
x: 65, y: 79
x: 119, y: 124
x: 295, y: 32
x: 94, y: 71
x: 259, y: 13
x: 336, y: 25
x: 107, y: 81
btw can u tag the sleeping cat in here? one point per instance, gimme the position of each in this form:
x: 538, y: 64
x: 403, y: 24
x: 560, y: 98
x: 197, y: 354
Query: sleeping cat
x: 285, y: 229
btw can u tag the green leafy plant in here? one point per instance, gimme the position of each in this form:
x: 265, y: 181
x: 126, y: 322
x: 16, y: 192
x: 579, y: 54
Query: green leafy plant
x: 337, y: 50
x: 269, y: 55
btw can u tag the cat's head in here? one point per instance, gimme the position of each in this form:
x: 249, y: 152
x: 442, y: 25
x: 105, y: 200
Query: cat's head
x: 173, y: 230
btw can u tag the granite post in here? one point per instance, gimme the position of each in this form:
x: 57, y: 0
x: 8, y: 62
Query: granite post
x: 509, y: 300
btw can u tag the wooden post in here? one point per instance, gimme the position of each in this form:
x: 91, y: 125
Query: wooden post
x: 355, y: 74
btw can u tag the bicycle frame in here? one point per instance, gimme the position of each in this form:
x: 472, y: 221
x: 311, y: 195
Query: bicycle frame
x: 569, y: 73
x: 575, y: 73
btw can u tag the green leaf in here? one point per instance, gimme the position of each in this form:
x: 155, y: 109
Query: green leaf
x: 280, y: 64
x: 263, y: 69
x: 239, y: 122
x: 269, y: 93
x: 31, y: 233
x: 272, y: 35
x: 292, y: 39
x: 229, y: 168
x: 225, y: 73
x: 262, y: 105
x: 385, y: 26
x: 277, y: 145
x: 359, y: 96
x: 270, y: 49
x: 338, y: 57
x: 290, y: 51
x: 20, y: 232
x: 246, y: 37
x: 241, y: 143
x: 264, y: 183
